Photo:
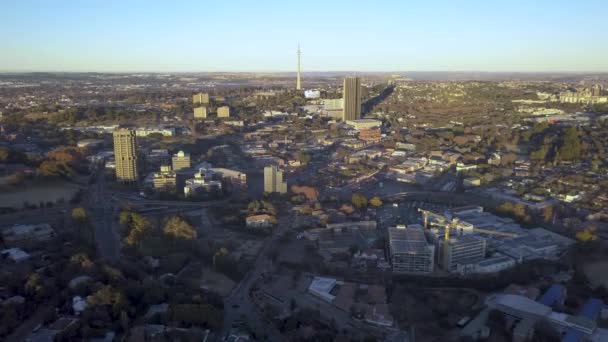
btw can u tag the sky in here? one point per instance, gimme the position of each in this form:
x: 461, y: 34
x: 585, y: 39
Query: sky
x: 335, y: 35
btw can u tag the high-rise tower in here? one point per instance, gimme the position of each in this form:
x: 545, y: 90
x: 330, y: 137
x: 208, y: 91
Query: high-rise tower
x: 351, y: 93
x: 299, y: 81
x: 125, y: 155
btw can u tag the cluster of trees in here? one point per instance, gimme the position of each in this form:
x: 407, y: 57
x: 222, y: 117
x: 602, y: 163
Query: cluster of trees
x: 63, y: 162
x: 145, y: 236
x: 75, y: 115
x: 260, y: 207
x: 359, y: 201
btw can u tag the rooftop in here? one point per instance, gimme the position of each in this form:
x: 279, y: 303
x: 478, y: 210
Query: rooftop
x: 407, y: 240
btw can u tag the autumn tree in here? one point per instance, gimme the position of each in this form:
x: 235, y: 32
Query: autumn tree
x: 178, y: 228
x: 375, y: 201
x: 358, y: 200
x: 137, y: 226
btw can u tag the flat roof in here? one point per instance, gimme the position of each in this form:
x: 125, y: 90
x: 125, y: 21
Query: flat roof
x: 407, y: 240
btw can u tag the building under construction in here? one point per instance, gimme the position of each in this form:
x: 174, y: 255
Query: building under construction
x: 469, y: 240
x: 410, y: 252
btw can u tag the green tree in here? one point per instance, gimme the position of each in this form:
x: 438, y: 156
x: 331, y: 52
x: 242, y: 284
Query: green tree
x: 570, y: 147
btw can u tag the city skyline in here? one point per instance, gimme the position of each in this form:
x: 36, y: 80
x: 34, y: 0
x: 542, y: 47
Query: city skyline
x: 545, y: 36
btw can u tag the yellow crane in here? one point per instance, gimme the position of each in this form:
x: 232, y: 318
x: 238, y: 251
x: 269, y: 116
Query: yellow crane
x: 454, y: 223
x: 427, y: 213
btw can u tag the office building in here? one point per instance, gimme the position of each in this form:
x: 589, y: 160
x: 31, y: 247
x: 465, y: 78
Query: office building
x: 299, y: 80
x: 333, y: 104
x: 165, y: 179
x: 203, y: 182
x: 223, y: 112
x: 351, y: 93
x: 125, y: 155
x: 273, y: 180
x: 200, y: 98
x: 180, y: 161
x: 461, y: 251
x: 364, y: 123
x: 410, y: 251
x: 200, y: 112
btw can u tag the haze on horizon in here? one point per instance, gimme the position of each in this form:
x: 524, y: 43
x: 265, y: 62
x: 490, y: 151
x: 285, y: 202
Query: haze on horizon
x: 195, y: 36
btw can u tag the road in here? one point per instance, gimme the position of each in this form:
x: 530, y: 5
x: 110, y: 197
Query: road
x: 239, y: 305
x: 103, y: 213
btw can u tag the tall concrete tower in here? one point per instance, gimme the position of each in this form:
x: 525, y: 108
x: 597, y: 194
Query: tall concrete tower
x: 351, y: 95
x: 125, y: 155
x: 299, y: 82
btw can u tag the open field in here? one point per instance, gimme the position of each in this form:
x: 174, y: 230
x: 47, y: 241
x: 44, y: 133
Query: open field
x: 37, y: 192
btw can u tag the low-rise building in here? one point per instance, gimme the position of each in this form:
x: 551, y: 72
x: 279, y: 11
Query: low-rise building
x: 165, y: 179
x: 260, y: 221
x: 14, y: 254
x: 164, y: 131
x: 223, y: 112
x: 180, y: 161
x: 23, y: 233
x: 200, y: 112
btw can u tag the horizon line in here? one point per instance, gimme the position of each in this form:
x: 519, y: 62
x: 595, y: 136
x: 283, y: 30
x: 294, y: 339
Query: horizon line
x: 303, y: 72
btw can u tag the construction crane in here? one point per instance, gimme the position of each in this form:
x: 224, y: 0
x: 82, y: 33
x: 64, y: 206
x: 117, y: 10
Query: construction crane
x: 455, y: 224
x: 427, y: 213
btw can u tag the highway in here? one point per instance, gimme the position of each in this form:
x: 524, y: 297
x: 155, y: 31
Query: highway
x: 103, y: 213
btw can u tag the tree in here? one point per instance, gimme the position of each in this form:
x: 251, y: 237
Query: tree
x: 4, y: 154
x: 303, y: 157
x: 178, y: 228
x: 547, y: 213
x: 375, y: 201
x: 359, y: 201
x: 570, y: 147
x: 79, y: 215
x: 109, y: 297
x: 587, y: 235
x: 137, y: 225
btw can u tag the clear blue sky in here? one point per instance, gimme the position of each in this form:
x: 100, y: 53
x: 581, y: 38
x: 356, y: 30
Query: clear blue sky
x: 248, y: 35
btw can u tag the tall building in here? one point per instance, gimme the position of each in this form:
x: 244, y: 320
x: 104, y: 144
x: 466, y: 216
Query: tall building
x: 200, y: 112
x: 351, y: 93
x: 410, y: 251
x: 200, y: 98
x: 180, y: 161
x: 299, y: 80
x: 273, y: 180
x: 125, y: 155
x: 462, y: 250
x: 597, y: 90
x: 223, y: 112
